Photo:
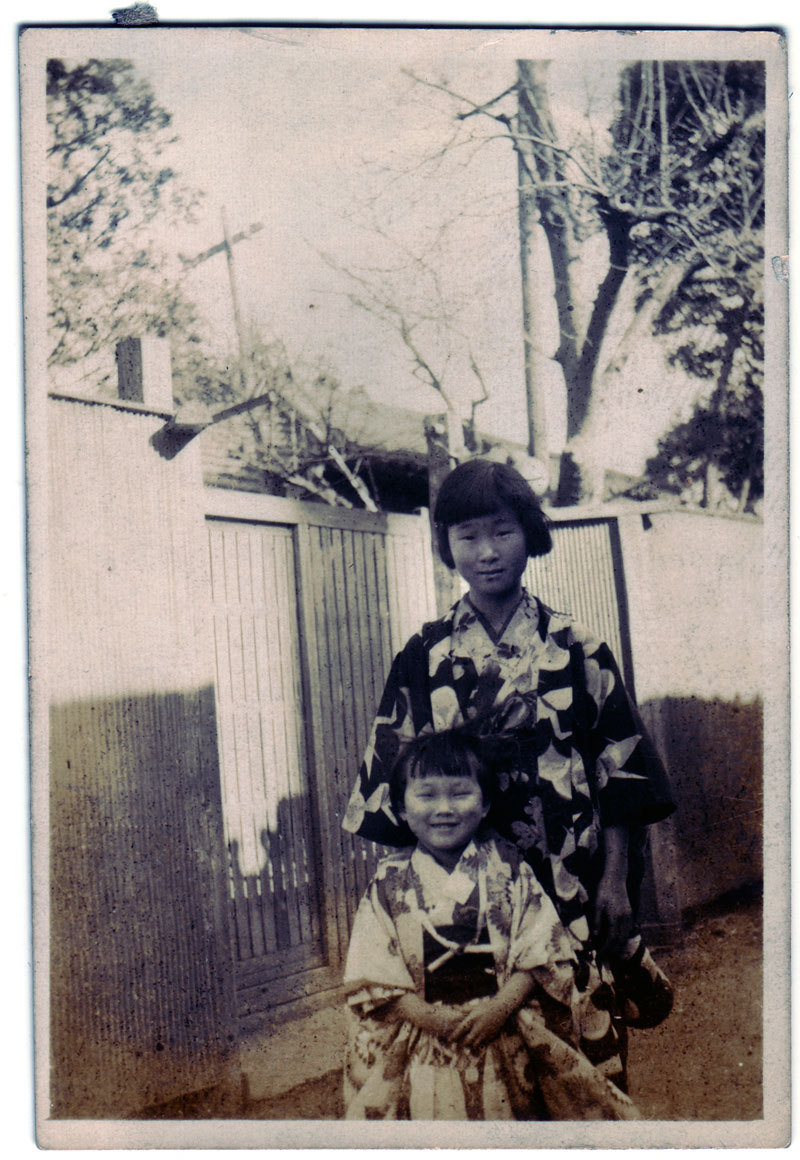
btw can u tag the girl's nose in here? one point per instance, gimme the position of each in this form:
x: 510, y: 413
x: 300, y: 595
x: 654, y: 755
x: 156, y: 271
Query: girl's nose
x: 442, y: 805
x: 487, y: 549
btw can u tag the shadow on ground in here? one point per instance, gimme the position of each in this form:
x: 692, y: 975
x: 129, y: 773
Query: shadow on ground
x: 703, y: 1063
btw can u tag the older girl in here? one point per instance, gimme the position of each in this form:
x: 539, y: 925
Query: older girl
x: 581, y: 780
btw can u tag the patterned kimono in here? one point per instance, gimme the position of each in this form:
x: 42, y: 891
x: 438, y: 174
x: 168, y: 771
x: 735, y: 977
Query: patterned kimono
x: 577, y: 757
x: 452, y: 938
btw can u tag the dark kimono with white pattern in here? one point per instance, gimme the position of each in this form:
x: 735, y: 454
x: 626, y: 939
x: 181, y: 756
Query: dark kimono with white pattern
x: 578, y: 758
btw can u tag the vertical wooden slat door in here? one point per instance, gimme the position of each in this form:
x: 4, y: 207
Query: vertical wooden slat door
x: 266, y: 799
x: 348, y: 650
x: 310, y: 604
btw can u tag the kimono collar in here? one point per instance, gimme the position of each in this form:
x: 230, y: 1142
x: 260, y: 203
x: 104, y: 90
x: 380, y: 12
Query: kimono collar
x: 456, y: 884
x: 528, y: 606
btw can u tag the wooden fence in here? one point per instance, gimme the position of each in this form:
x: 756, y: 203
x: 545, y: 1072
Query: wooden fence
x: 309, y: 605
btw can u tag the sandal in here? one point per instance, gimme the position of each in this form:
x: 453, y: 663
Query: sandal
x: 644, y: 991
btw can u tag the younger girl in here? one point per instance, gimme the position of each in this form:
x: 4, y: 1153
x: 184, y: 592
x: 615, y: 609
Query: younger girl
x: 460, y: 975
x: 582, y: 780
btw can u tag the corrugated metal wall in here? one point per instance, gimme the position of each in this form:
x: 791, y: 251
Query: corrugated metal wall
x: 141, y: 989
x: 583, y: 576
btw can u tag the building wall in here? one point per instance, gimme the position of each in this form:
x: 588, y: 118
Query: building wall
x: 694, y: 584
x: 141, y: 984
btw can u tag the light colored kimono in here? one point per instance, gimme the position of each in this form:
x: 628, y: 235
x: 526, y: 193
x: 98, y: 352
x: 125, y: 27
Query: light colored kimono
x: 487, y: 917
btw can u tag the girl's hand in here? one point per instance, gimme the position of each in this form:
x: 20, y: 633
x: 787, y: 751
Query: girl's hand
x: 441, y: 1022
x: 613, y: 916
x: 482, y: 1023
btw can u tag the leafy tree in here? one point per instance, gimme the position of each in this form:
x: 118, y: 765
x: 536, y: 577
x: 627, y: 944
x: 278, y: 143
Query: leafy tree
x: 721, y: 441
x: 110, y: 195
x: 675, y: 186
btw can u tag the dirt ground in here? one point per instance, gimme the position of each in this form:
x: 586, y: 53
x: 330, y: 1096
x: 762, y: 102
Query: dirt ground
x: 703, y: 1063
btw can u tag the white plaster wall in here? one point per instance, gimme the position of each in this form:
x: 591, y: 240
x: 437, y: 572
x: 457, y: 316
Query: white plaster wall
x: 694, y: 586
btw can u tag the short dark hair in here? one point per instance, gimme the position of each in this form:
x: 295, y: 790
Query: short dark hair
x: 481, y: 487
x: 450, y: 753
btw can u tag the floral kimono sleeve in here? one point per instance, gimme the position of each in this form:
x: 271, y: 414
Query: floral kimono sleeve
x: 630, y: 780
x: 404, y: 712
x: 375, y: 971
x: 539, y: 943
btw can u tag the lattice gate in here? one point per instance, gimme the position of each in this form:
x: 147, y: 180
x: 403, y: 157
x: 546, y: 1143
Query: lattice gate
x: 309, y: 605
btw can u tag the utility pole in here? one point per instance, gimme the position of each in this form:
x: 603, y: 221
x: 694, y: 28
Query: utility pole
x: 530, y: 84
x: 226, y: 247
x: 245, y: 361
x: 178, y: 433
x: 534, y: 395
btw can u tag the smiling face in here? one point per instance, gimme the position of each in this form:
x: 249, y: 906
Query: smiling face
x: 443, y: 813
x: 491, y: 553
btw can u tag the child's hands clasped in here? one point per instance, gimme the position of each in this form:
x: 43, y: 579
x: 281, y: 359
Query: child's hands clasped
x: 432, y: 1018
x: 483, y: 1022
x: 440, y: 1021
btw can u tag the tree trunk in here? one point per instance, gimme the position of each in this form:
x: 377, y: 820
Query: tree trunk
x: 543, y: 175
x: 582, y: 476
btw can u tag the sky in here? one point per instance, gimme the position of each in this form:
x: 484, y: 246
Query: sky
x: 325, y: 139
x: 329, y: 147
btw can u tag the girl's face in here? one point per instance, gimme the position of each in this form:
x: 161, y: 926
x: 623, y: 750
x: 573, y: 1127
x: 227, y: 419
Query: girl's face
x: 490, y: 553
x: 443, y: 813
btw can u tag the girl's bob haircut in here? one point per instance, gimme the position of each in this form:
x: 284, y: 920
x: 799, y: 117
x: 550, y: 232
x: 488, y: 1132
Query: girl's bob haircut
x: 450, y: 753
x: 481, y: 487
